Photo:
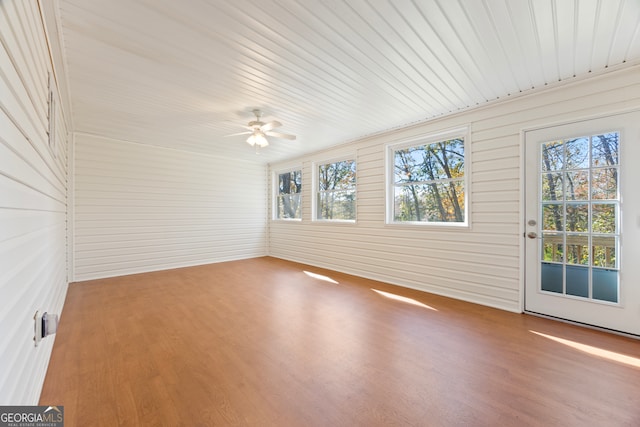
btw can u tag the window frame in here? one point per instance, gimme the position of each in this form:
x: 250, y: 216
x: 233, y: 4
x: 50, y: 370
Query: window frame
x: 426, y: 139
x: 316, y: 189
x: 275, y: 193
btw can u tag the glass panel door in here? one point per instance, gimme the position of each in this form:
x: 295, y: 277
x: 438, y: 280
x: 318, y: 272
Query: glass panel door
x: 582, y: 224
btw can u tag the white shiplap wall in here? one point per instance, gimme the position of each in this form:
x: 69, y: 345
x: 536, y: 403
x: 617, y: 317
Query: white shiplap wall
x: 142, y: 208
x: 482, y: 264
x: 33, y: 202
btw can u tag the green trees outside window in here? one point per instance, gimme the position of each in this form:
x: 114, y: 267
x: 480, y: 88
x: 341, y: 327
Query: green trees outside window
x: 288, y: 203
x: 336, y: 186
x: 580, y: 197
x: 429, y: 182
x: 580, y: 205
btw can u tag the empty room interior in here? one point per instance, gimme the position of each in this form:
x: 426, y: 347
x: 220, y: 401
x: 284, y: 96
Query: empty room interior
x: 321, y: 213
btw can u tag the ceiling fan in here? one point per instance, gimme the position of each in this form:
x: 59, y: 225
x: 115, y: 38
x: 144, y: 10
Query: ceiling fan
x: 259, y: 130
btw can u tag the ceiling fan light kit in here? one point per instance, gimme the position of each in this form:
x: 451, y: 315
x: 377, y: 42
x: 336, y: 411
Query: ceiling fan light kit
x: 258, y: 139
x: 259, y: 130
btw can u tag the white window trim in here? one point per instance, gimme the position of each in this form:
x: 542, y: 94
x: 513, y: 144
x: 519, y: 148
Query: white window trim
x: 424, y: 139
x: 274, y: 193
x: 314, y: 189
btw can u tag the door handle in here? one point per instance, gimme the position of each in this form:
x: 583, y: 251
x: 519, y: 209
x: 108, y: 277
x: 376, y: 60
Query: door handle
x: 532, y: 235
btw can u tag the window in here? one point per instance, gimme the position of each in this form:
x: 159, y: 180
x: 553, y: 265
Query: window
x: 288, y: 199
x: 336, y: 191
x: 429, y: 181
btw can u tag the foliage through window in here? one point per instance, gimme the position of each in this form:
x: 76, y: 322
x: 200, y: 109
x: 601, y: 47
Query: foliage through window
x: 580, y: 215
x: 336, y: 198
x: 288, y: 202
x: 429, y: 182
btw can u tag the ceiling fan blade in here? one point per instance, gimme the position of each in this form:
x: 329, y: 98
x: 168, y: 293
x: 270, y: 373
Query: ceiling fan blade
x: 271, y: 125
x: 240, y: 133
x: 280, y: 135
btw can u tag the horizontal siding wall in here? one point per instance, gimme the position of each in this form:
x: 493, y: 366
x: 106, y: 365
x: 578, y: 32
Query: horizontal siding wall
x: 482, y: 264
x: 33, y: 203
x: 141, y: 208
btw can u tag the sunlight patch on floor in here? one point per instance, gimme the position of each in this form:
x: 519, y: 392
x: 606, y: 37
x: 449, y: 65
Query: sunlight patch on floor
x: 595, y: 351
x: 403, y: 299
x: 320, y: 277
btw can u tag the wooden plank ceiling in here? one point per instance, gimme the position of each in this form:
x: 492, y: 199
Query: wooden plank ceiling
x: 184, y: 74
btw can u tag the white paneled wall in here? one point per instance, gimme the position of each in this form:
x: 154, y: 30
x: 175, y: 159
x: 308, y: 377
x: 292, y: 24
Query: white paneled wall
x: 33, y: 202
x: 482, y: 264
x: 141, y: 208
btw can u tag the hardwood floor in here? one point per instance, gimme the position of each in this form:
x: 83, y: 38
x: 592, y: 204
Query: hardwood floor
x: 261, y: 343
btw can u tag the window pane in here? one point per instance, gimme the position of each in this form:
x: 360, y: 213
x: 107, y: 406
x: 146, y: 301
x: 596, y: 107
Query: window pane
x: 553, y: 156
x: 407, y: 165
x: 437, y: 169
x: 409, y: 203
x: 605, y: 284
x: 605, y: 149
x: 439, y: 206
x: 604, y: 251
x: 289, y: 206
x: 552, y: 186
x: 577, y: 185
x: 337, y: 176
x: 551, y: 277
x: 603, y: 218
x: 290, y: 182
x: 577, y: 153
x: 431, y: 162
x: 445, y: 160
x: 288, y: 198
x: 340, y: 205
x: 437, y: 202
x: 577, y: 281
x: 336, y: 198
x: 604, y: 184
x: 577, y: 217
x: 552, y: 247
x: 552, y: 217
x: 578, y: 249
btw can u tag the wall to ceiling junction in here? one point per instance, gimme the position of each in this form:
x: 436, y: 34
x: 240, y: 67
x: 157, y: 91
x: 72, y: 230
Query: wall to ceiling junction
x: 483, y: 263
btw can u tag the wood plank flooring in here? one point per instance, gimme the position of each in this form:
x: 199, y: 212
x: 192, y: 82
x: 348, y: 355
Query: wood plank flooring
x: 262, y: 343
